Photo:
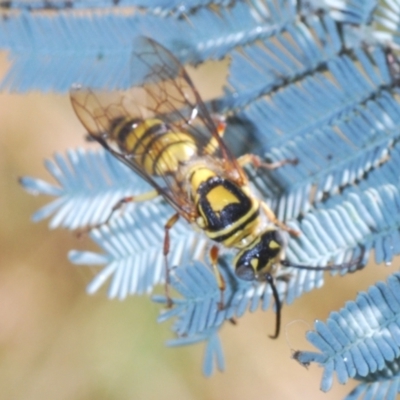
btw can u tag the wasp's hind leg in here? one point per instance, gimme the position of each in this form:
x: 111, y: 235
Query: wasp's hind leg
x: 214, y: 251
x: 142, y: 197
x: 258, y: 163
x: 170, y: 223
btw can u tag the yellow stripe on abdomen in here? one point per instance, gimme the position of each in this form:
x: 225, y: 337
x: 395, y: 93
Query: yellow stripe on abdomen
x: 157, y: 149
x: 165, y: 154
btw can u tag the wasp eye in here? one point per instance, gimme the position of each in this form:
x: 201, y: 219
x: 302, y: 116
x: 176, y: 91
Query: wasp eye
x: 245, y: 272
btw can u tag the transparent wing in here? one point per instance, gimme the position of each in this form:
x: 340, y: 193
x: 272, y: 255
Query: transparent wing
x: 98, y: 112
x: 160, y: 89
x: 170, y: 93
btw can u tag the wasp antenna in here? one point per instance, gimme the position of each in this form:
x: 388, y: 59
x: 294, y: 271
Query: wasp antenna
x: 333, y: 267
x: 270, y: 279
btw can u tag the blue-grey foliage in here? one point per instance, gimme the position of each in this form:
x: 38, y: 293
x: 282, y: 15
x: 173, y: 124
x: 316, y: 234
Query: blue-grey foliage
x: 155, y: 6
x: 315, y: 81
x: 362, y: 341
x: 94, y: 49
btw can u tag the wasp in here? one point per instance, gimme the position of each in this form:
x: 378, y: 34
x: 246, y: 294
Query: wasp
x: 163, y: 131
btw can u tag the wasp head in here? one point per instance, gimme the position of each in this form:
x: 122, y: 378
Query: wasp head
x: 257, y: 259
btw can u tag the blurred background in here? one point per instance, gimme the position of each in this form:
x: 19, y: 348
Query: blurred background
x: 59, y: 343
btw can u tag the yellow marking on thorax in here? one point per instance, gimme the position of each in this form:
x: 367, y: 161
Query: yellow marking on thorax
x: 200, y: 176
x: 220, y: 197
x: 236, y: 239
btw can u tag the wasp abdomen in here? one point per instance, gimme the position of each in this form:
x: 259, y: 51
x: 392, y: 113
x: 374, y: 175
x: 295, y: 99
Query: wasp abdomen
x: 158, y: 149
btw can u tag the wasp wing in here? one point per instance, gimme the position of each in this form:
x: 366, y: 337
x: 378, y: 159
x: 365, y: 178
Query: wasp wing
x: 98, y: 111
x: 172, y: 95
x: 160, y: 88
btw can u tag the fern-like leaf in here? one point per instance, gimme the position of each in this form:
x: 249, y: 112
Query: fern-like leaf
x: 311, y: 133
x: 286, y: 54
x: 155, y: 6
x: 197, y: 313
x: 90, y: 184
x: 313, y: 89
x: 361, y: 341
x: 102, y: 43
x: 133, y: 257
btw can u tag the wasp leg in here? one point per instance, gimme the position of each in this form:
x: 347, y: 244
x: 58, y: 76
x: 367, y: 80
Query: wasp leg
x: 218, y: 118
x: 170, y: 223
x: 258, y: 163
x: 220, y: 123
x: 272, y: 217
x: 220, y: 126
x: 214, y: 251
x: 142, y: 197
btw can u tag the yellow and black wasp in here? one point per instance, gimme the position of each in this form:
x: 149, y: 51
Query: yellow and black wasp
x: 163, y: 131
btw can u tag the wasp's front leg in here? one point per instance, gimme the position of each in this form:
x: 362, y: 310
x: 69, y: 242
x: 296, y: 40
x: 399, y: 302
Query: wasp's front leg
x: 272, y: 217
x: 258, y: 163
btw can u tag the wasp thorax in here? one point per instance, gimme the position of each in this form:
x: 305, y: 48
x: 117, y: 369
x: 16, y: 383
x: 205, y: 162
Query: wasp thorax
x: 260, y: 255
